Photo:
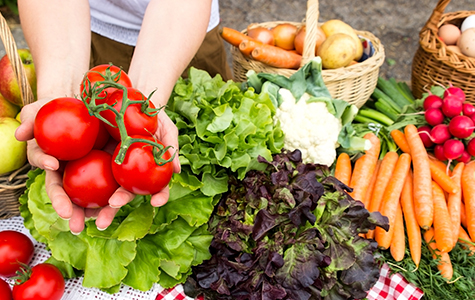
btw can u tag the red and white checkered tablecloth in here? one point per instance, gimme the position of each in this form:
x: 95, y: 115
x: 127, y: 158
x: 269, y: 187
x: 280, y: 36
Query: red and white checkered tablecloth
x: 388, y: 287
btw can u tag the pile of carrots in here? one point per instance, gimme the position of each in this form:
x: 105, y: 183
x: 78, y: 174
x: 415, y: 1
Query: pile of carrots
x: 268, y: 54
x: 421, y: 197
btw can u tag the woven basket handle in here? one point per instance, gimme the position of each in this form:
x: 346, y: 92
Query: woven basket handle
x: 436, y: 16
x: 311, y: 31
x: 11, y: 50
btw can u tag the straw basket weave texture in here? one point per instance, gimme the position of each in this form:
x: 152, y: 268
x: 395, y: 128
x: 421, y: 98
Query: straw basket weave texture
x: 353, y: 84
x: 12, y: 184
x: 434, y: 64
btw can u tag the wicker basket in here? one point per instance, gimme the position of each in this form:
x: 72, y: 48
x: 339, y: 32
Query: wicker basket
x: 434, y: 64
x: 13, y: 184
x: 353, y: 84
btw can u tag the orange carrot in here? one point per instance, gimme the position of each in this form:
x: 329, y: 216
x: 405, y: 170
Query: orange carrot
x: 442, y: 166
x: 364, y: 169
x: 372, y: 183
x: 444, y: 265
x: 233, y: 36
x: 423, y: 203
x: 444, y: 180
x: 276, y: 57
x: 454, y: 201
x: 468, y: 192
x: 246, y: 46
x: 412, y: 227
x: 343, y: 168
x: 465, y: 240
x: 391, y: 198
x: 444, y: 236
x: 398, y: 242
x: 463, y: 215
x: 400, y: 140
x: 384, y: 174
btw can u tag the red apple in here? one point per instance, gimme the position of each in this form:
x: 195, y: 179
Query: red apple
x: 8, y: 83
x: 8, y: 109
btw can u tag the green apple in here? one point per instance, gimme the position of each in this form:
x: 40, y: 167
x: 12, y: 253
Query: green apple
x: 12, y: 151
x: 8, y: 109
x: 9, y: 87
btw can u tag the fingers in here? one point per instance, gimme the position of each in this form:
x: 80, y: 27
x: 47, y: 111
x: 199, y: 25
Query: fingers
x: 168, y: 135
x: 106, y: 215
x: 60, y: 200
x: 38, y: 158
x: 76, y: 223
x: 161, y: 198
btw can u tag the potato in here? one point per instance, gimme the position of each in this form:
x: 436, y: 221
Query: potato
x: 337, y: 51
x: 333, y: 26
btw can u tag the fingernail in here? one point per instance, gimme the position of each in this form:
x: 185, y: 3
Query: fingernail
x: 101, y: 229
x: 113, y: 206
x: 66, y: 219
x: 75, y: 233
x: 49, y: 168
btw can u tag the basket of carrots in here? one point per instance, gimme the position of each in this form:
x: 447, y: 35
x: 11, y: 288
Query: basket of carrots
x: 353, y: 82
x: 13, y: 183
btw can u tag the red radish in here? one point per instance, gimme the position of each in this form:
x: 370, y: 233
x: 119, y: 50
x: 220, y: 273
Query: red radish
x: 439, y: 134
x: 465, y: 158
x: 471, y: 147
x: 461, y: 127
x: 468, y: 109
x: 439, y: 152
x: 434, y: 116
x: 432, y: 101
x: 452, y: 106
x: 425, y: 136
x: 455, y: 91
x: 453, y: 149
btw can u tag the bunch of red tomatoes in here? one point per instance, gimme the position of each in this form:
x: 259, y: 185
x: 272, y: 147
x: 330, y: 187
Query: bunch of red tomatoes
x: 79, y: 132
x: 44, y: 281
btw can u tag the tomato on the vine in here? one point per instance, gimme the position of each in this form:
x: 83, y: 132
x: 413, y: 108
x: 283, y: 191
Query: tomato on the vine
x: 43, y: 282
x: 98, y: 73
x: 5, y: 290
x: 64, y: 128
x: 136, y: 121
x: 103, y: 136
x: 14, y: 247
x: 88, y: 181
x: 139, y: 172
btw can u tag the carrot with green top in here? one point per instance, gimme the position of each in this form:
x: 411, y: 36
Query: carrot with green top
x: 398, y: 242
x: 465, y: 240
x: 423, y: 202
x: 454, y: 201
x: 443, y: 230
x: 468, y: 192
x: 391, y: 198
x: 412, y: 227
x: 343, y: 168
x: 364, y: 169
x: 400, y: 139
x: 445, y: 264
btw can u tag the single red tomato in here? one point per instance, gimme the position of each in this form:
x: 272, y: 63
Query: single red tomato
x: 88, y: 181
x: 98, y: 73
x: 5, y: 290
x: 103, y: 136
x: 45, y: 282
x: 138, y: 173
x: 135, y: 120
x: 64, y: 129
x: 14, y: 247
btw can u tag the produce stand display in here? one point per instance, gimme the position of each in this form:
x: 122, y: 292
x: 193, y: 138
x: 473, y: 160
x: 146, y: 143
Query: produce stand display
x: 272, y: 216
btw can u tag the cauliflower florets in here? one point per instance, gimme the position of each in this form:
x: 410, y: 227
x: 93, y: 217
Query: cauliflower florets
x: 309, y: 127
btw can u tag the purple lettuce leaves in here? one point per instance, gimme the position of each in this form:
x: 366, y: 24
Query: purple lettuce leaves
x: 288, y: 232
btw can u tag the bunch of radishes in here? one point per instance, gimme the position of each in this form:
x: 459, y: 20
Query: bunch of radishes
x: 451, y: 124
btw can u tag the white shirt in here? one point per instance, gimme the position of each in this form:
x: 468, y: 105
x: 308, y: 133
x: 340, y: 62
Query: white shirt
x: 120, y: 20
